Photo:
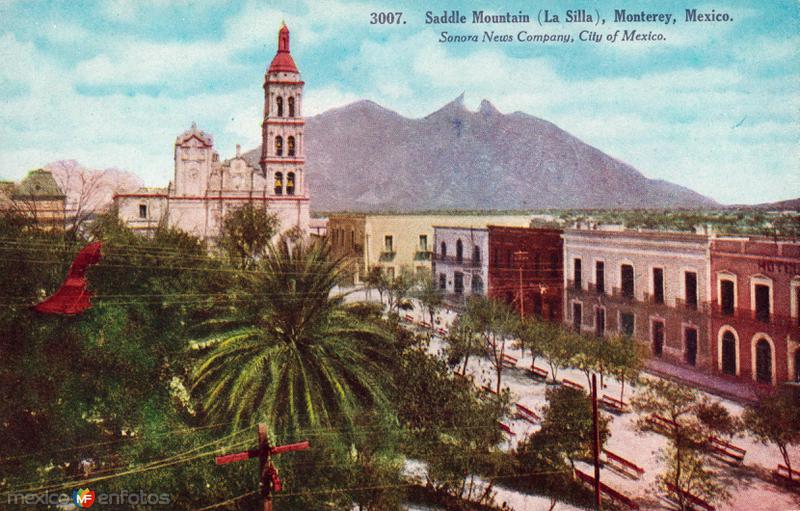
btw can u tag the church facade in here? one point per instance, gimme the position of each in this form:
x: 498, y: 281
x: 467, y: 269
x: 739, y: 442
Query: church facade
x: 205, y: 189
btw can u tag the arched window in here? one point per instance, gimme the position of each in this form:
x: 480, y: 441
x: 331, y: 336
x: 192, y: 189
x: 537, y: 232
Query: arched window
x: 279, y: 145
x: 763, y: 362
x: 290, y: 183
x: 290, y: 146
x: 476, y: 255
x: 459, y: 251
x: 278, y: 183
x: 291, y: 106
x: 443, y: 250
x: 728, y: 353
x: 279, y: 103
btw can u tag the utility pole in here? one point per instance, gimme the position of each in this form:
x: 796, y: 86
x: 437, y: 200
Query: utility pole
x: 267, y: 473
x: 596, y: 445
x: 520, y: 258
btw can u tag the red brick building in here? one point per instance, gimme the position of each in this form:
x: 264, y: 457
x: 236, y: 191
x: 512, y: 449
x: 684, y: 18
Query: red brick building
x: 755, y: 323
x: 526, y: 269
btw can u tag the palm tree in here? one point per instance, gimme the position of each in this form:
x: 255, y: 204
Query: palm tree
x: 290, y: 353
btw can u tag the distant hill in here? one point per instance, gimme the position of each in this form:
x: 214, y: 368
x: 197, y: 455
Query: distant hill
x: 791, y: 204
x: 363, y: 157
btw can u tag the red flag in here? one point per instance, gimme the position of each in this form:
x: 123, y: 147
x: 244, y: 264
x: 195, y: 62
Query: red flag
x: 73, y: 297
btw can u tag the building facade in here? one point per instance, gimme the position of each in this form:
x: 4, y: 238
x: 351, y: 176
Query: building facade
x: 526, y: 270
x: 755, y: 293
x: 461, y: 267
x: 38, y: 197
x: 205, y: 189
x: 397, y: 242
x: 652, y: 286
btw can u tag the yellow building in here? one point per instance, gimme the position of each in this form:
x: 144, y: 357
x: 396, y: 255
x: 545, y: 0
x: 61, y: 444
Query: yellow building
x: 38, y: 196
x: 399, y: 241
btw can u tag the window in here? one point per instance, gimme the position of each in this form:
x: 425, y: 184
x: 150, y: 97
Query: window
x: 627, y: 323
x: 726, y: 298
x: 626, y: 276
x: 509, y: 258
x: 388, y: 244
x: 278, y: 183
x: 577, y: 316
x: 459, y: 251
x: 290, y: 103
x: 576, y: 273
x: 762, y: 302
x: 290, y: 146
x: 142, y: 211
x: 477, y: 285
x: 658, y: 338
x: 279, y: 103
x: 600, y: 277
x: 599, y: 322
x: 442, y: 281
x: 443, y: 249
x: 690, y: 345
x: 476, y: 255
x: 690, y: 289
x: 423, y: 242
x: 658, y: 285
x: 458, y: 282
x: 279, y: 145
x: 797, y: 304
x: 553, y: 264
x: 728, y: 353
x: 290, y: 184
x: 797, y: 365
x: 496, y: 257
x: 763, y: 362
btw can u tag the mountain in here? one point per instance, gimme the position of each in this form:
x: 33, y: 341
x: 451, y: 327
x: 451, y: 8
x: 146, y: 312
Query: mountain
x: 363, y: 157
x: 784, y: 205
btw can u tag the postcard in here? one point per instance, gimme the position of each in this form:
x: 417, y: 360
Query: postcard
x: 360, y: 254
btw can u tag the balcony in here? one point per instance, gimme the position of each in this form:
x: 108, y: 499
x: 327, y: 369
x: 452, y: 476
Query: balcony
x: 423, y: 255
x: 387, y: 256
x: 623, y: 294
x: 453, y: 260
x: 754, y: 317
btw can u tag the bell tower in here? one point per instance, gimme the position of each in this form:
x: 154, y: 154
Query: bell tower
x: 282, y: 152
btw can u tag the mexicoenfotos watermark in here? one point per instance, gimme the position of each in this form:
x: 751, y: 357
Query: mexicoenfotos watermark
x: 86, y: 498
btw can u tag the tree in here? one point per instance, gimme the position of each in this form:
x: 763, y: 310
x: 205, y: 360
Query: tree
x: 558, y: 347
x: 377, y: 279
x: 429, y: 296
x: 775, y: 419
x: 685, y: 456
x: 246, y: 234
x: 291, y: 354
x: 530, y: 332
x: 399, y: 291
x: 492, y: 320
x: 625, y: 360
x: 462, y: 343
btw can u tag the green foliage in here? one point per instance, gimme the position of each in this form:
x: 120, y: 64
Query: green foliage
x: 292, y: 355
x: 775, y: 419
x: 429, y: 295
x: 246, y: 234
x: 493, y: 321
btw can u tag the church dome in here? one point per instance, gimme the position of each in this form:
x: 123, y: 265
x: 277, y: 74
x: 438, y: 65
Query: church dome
x: 283, y: 61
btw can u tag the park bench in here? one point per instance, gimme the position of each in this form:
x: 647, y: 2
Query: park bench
x: 624, y: 465
x: 441, y: 331
x: 614, y: 404
x: 509, y: 362
x: 408, y: 318
x: 506, y: 429
x: 726, y: 449
x: 526, y: 414
x: 694, y: 500
x: 571, y: 384
x: 659, y: 423
x: 782, y: 472
x: 488, y: 389
x: 537, y: 372
x: 425, y: 324
x: 613, y: 494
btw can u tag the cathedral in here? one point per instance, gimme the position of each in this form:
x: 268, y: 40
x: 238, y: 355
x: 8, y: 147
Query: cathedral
x: 205, y: 189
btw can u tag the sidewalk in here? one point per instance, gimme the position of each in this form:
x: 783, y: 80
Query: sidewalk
x: 742, y: 393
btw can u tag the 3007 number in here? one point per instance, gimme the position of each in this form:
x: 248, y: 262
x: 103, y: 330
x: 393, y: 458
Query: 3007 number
x: 386, y: 18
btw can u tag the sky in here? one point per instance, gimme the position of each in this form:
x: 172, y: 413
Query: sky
x: 715, y: 107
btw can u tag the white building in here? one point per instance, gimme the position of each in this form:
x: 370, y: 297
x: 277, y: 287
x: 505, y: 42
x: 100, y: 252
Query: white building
x: 205, y: 189
x: 460, y: 265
